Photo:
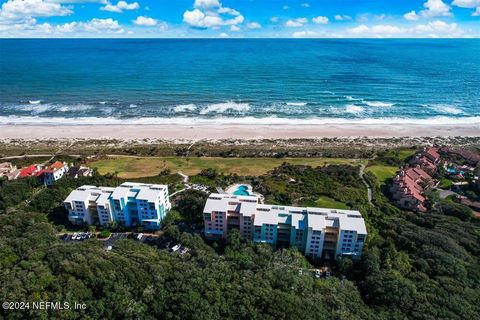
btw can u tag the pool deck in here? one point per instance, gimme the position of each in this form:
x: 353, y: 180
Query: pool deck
x: 234, y: 188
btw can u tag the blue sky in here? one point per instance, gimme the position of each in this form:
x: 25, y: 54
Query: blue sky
x: 240, y: 18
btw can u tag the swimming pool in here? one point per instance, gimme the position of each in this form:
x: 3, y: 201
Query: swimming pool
x: 454, y: 171
x: 241, y: 191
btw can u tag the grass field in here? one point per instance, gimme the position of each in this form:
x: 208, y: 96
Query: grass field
x: 382, y: 172
x: 403, y: 154
x: 327, y: 202
x: 133, y: 167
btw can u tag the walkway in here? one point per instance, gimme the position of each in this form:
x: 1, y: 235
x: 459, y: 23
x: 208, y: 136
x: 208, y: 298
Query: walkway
x: 184, y: 176
x: 369, y: 189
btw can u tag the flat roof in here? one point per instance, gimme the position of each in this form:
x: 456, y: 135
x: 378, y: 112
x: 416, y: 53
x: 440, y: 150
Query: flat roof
x: 298, y: 217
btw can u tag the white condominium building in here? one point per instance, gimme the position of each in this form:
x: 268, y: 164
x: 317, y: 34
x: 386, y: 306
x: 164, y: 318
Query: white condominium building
x: 130, y: 204
x: 318, y: 232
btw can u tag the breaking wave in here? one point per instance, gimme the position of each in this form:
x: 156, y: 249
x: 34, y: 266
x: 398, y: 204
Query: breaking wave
x: 224, y: 107
x: 37, y: 120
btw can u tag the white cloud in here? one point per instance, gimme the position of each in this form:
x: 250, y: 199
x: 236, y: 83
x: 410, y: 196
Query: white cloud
x: 342, y: 17
x: 18, y: 9
x: 471, y: 4
x: 304, y: 34
x: 466, y: 3
x: 78, y: 1
x: 120, y: 6
x: 359, y: 29
x: 305, y: 5
x: 432, y: 29
x: 274, y: 19
x: 294, y: 23
x: 235, y: 28
x: 145, y: 21
x: 206, y: 4
x: 320, y: 20
x: 223, y: 35
x: 362, y: 17
x: 387, y: 29
x: 439, y: 28
x: 411, y: 16
x: 102, y: 26
x: 211, y: 14
x: 229, y: 11
x: 254, y: 25
x: 379, y: 30
x: 285, y: 7
x: 435, y: 8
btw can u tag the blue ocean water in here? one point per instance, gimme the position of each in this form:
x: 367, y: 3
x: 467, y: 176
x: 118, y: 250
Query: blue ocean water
x: 78, y: 81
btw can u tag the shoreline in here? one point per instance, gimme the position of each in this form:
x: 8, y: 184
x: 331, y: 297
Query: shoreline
x: 241, y: 132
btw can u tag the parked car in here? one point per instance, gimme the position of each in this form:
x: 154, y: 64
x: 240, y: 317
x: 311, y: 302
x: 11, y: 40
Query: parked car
x: 175, y: 248
x: 317, y: 273
x: 74, y: 236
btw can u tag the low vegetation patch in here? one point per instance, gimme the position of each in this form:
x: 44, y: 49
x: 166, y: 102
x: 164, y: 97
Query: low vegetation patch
x: 134, y: 167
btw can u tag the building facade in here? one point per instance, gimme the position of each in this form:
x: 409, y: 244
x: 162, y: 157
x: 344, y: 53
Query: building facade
x: 53, y: 172
x: 318, y: 232
x: 130, y: 204
x: 408, y: 189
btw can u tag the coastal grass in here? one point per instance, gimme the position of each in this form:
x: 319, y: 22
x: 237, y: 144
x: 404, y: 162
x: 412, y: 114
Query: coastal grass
x: 327, y: 202
x: 136, y: 167
x: 382, y: 172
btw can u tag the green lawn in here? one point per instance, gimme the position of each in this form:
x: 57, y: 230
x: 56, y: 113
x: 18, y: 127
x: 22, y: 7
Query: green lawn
x: 403, y: 154
x: 327, y: 202
x: 130, y: 167
x: 445, y: 183
x: 382, y: 172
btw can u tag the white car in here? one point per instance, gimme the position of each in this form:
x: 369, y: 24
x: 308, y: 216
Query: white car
x: 74, y: 236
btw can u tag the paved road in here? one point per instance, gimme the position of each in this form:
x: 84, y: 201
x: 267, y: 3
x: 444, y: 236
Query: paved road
x: 445, y: 193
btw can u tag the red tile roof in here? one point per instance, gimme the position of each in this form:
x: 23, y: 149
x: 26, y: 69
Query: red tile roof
x: 432, y: 153
x: 56, y: 165
x: 31, y: 170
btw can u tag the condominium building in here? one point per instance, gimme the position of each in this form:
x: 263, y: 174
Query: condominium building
x: 408, y: 189
x: 317, y: 232
x: 130, y: 204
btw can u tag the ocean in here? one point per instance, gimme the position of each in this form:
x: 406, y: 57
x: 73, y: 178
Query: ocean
x: 258, y: 81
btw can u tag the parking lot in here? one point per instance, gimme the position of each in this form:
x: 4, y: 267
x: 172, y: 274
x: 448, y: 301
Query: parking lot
x: 77, y: 236
x: 162, y: 243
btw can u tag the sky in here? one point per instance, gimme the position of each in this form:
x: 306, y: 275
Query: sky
x: 240, y: 18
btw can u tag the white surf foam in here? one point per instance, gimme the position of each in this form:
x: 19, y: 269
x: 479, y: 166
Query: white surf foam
x: 379, y: 104
x: 72, y: 107
x: 296, y: 104
x: 185, y: 107
x: 351, y: 108
x: 37, y: 120
x: 446, y: 108
x: 225, y: 106
x: 350, y: 98
x: 34, y: 101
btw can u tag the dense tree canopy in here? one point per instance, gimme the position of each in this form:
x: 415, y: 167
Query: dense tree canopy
x: 415, y: 266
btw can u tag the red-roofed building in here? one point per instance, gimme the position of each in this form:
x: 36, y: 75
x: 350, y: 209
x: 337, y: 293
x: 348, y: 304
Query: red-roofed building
x: 432, y: 154
x: 428, y: 160
x: 408, y: 187
x: 30, y: 171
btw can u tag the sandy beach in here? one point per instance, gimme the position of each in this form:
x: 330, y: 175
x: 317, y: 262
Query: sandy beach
x: 209, y: 132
